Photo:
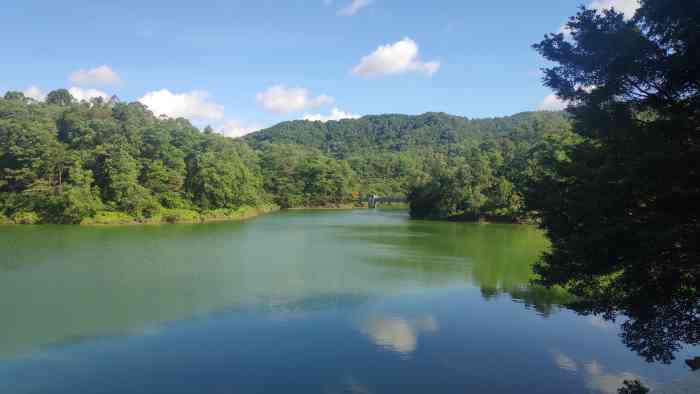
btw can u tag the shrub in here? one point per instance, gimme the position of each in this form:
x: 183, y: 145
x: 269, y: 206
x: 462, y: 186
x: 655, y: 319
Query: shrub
x: 25, y: 217
x: 109, y: 217
x: 180, y: 216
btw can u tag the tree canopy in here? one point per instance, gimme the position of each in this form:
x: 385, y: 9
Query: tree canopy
x: 622, y: 208
x: 447, y: 166
x: 63, y: 161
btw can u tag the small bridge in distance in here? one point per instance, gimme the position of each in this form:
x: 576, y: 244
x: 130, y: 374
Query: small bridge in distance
x: 373, y: 200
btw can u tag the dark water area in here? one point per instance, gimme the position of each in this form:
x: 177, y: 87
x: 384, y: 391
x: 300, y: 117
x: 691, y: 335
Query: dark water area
x: 360, y: 301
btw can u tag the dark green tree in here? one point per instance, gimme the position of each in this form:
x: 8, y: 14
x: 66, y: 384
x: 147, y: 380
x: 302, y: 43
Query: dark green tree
x: 59, y: 97
x: 622, y: 210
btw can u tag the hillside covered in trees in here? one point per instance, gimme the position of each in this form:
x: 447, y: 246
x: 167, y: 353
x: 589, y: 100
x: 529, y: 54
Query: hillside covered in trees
x: 448, y: 166
x: 64, y: 161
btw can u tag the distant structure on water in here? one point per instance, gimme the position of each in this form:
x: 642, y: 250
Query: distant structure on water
x: 373, y: 200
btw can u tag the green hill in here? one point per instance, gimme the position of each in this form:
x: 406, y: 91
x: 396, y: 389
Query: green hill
x: 396, y: 133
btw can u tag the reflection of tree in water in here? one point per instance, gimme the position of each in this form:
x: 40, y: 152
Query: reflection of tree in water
x: 496, y: 258
x: 543, y: 300
x: 652, y: 330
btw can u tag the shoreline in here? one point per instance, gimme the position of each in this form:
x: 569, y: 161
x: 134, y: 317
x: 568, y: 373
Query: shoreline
x: 185, y: 216
x: 167, y: 216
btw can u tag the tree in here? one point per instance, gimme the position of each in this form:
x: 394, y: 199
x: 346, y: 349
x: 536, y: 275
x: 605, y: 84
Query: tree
x: 622, y: 211
x: 13, y: 95
x: 60, y: 97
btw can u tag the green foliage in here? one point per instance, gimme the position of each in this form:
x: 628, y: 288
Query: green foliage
x: 59, y: 97
x: 304, y: 177
x: 621, y: 207
x: 389, y: 153
x: 108, y: 217
x: 65, y: 160
x: 180, y: 216
x: 24, y: 217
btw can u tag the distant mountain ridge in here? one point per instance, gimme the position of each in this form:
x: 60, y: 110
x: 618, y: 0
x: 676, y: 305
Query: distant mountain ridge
x: 395, y: 132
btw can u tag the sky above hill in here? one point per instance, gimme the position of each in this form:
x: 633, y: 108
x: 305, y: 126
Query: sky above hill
x: 246, y: 64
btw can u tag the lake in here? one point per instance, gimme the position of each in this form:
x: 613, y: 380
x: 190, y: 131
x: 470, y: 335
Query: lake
x: 362, y: 301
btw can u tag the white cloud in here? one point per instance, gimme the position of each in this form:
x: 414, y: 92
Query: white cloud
x: 33, y: 92
x: 102, y: 75
x: 336, y: 114
x: 282, y: 100
x: 234, y: 128
x: 192, y: 105
x: 354, y: 6
x: 626, y: 7
x: 552, y: 103
x: 81, y: 94
x: 398, y: 58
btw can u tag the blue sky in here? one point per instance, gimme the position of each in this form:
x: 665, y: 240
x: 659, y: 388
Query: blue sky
x: 241, y: 65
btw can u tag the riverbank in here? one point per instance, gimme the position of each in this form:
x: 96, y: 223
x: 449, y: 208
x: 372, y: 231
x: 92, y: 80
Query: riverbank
x: 363, y: 205
x: 471, y: 218
x: 180, y: 216
x: 165, y: 216
x: 329, y: 207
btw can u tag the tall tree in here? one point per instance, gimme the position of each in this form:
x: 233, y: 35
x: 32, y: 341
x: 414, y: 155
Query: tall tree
x: 622, y: 212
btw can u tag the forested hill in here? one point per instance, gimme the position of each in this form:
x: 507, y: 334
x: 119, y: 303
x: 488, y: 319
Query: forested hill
x: 447, y: 166
x: 69, y: 161
x: 393, y: 132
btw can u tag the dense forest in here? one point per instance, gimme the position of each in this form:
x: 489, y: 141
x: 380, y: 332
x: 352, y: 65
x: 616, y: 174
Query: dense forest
x: 64, y: 161
x: 447, y: 166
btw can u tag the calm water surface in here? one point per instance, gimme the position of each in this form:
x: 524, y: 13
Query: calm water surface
x: 296, y: 302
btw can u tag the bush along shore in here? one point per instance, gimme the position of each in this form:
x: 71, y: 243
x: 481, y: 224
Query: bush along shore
x: 180, y: 216
x: 165, y: 216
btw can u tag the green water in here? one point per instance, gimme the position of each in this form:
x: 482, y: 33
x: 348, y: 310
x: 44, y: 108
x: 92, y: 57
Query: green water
x: 296, y: 302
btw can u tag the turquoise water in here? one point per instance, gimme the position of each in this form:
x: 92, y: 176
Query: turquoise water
x: 296, y: 302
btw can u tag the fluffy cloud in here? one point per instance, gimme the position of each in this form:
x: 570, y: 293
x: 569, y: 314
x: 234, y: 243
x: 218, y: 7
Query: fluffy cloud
x: 102, y: 75
x: 35, y: 93
x: 234, y: 128
x: 194, y: 104
x: 626, y: 7
x: 552, y: 103
x: 354, y: 6
x: 81, y: 94
x: 336, y: 114
x: 398, y: 58
x: 283, y: 100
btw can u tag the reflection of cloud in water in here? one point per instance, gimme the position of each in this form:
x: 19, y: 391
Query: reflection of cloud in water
x: 350, y: 385
x: 398, y: 334
x: 608, y: 383
x: 599, y: 322
x: 564, y: 362
x: 594, y: 375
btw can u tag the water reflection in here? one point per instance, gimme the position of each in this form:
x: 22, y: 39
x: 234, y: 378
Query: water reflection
x: 398, y: 334
x: 594, y: 374
x: 496, y: 258
x: 351, y: 301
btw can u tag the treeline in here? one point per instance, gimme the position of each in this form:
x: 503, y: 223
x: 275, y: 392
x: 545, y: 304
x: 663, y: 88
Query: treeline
x: 64, y: 161
x: 447, y: 166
